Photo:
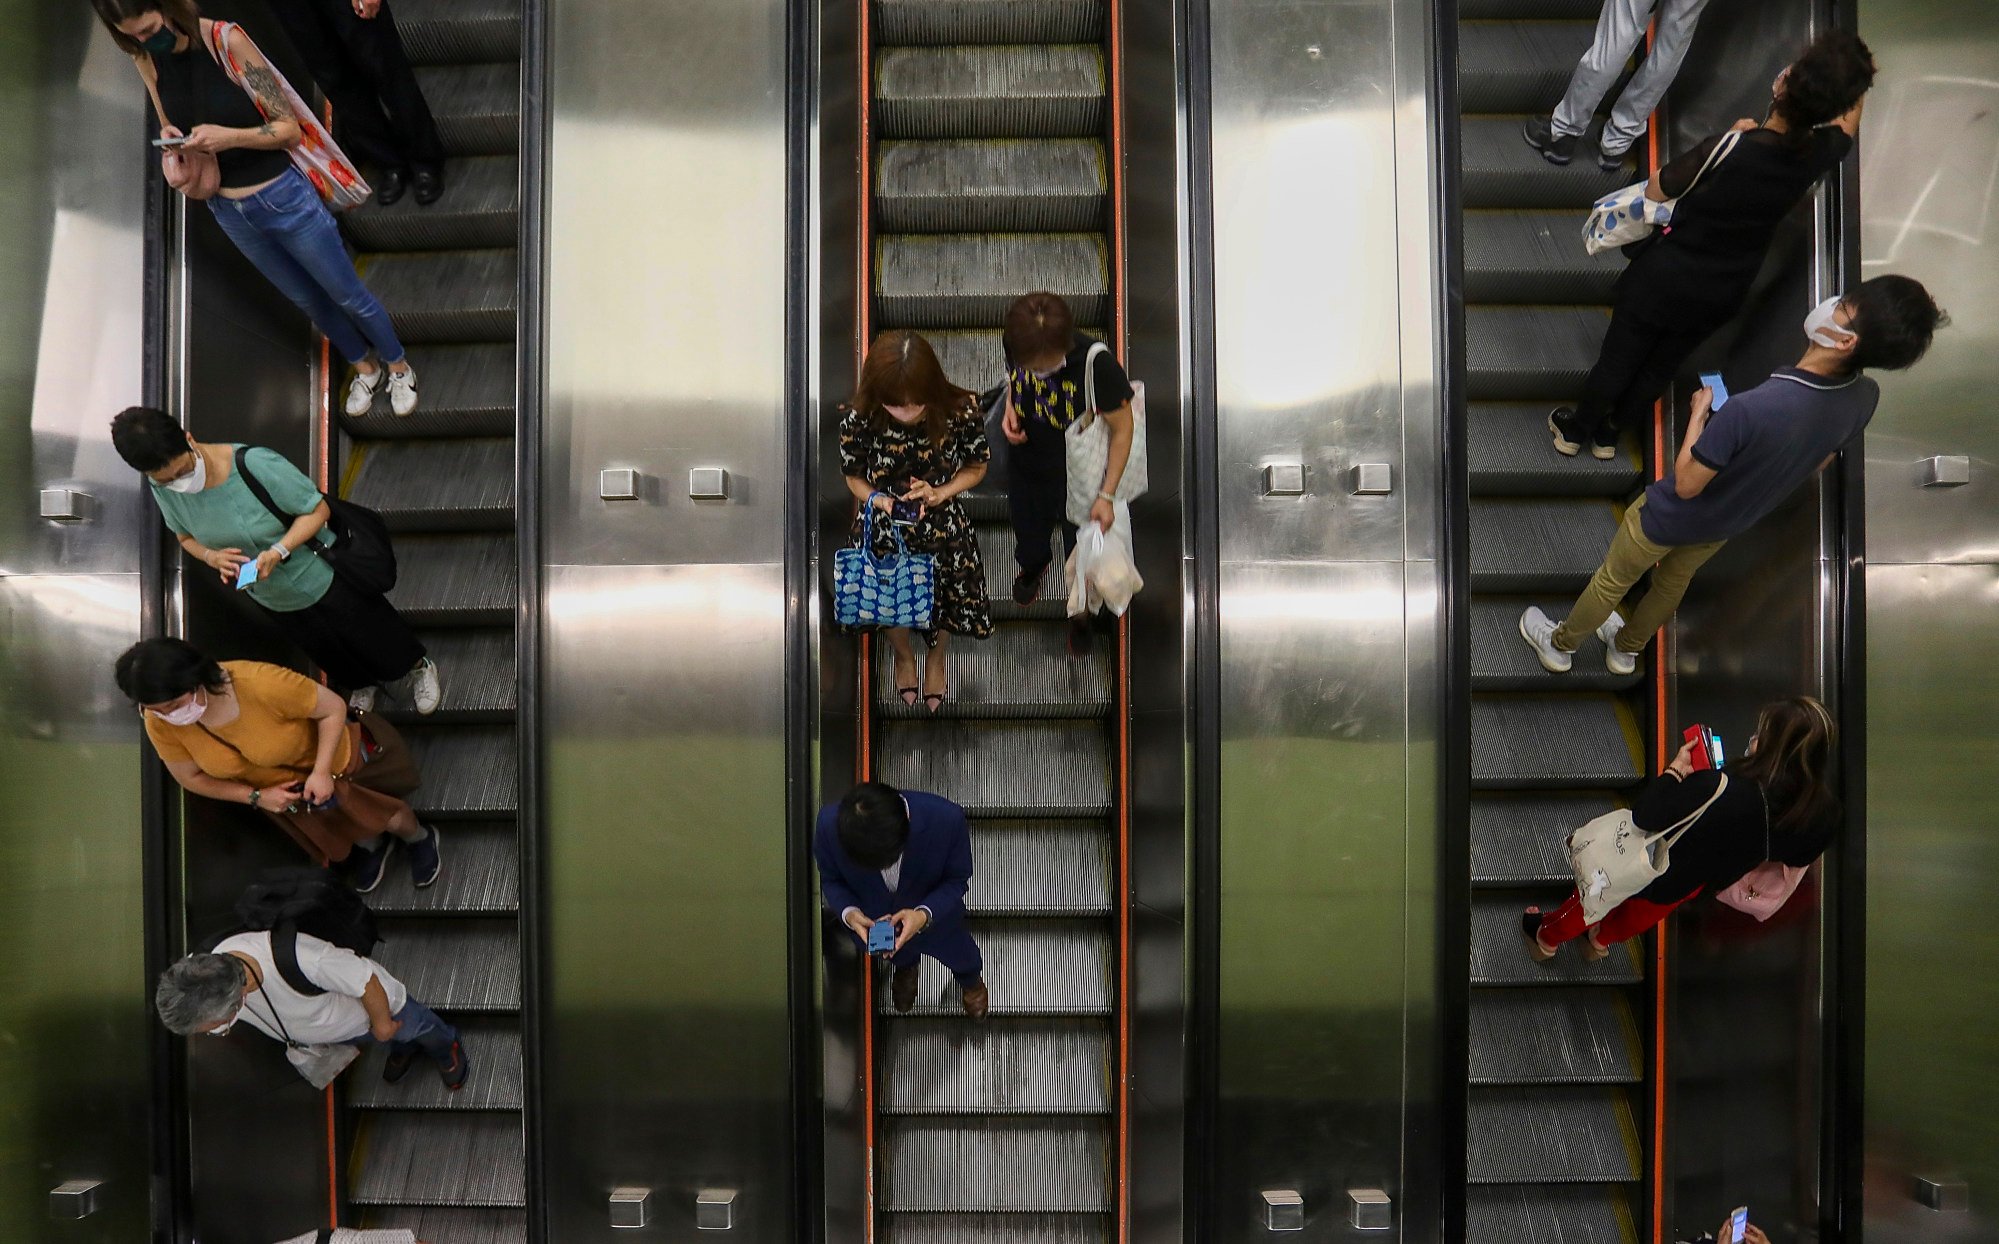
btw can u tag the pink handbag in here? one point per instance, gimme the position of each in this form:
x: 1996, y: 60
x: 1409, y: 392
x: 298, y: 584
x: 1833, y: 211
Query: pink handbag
x: 1762, y: 891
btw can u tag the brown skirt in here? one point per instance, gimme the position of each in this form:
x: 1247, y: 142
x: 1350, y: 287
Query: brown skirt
x: 365, y: 798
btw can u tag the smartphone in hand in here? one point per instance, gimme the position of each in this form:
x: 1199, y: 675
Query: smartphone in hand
x: 1702, y: 739
x: 175, y: 141
x: 1738, y: 1225
x: 1712, y: 379
x: 881, y: 937
x: 905, y: 513
x: 246, y: 574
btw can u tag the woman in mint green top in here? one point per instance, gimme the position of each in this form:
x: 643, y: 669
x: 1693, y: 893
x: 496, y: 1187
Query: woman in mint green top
x: 355, y: 636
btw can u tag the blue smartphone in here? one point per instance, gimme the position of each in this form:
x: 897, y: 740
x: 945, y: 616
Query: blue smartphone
x: 246, y: 574
x: 1738, y: 1224
x: 1712, y: 379
x: 881, y: 937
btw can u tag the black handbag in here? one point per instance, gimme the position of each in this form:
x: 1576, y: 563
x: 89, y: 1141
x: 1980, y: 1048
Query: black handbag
x: 361, y: 552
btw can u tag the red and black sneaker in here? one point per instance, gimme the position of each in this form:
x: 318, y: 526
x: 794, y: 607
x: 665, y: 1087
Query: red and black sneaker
x: 453, y: 1073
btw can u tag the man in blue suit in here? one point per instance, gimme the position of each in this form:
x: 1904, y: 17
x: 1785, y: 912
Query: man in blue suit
x: 905, y: 857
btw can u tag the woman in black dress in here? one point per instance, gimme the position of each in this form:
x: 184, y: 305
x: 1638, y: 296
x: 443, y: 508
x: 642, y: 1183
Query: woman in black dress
x: 1691, y: 277
x: 912, y: 435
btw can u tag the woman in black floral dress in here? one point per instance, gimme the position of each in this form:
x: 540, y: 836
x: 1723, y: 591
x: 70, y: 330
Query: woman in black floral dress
x: 912, y: 435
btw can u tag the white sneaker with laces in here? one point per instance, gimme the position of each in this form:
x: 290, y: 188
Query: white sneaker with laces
x: 362, y: 701
x: 1538, y: 629
x: 361, y: 391
x: 402, y: 391
x: 425, y: 687
x: 1613, y: 660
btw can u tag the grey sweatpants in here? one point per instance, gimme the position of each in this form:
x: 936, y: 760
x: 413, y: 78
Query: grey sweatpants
x: 1619, y: 31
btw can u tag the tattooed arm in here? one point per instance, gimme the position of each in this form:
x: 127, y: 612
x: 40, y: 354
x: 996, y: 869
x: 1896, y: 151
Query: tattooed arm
x: 280, y: 128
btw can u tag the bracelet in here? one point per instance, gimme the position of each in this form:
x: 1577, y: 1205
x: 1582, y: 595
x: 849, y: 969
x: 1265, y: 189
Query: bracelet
x: 1104, y: 496
x: 284, y: 554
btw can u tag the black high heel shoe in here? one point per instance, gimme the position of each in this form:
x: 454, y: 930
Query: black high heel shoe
x: 1530, y: 926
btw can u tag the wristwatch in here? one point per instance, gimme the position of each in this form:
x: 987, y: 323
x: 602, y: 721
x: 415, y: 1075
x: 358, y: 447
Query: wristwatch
x: 255, y: 794
x: 284, y: 554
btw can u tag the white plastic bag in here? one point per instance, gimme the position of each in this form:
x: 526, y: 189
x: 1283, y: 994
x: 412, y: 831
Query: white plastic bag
x: 321, y: 1065
x: 1101, y: 572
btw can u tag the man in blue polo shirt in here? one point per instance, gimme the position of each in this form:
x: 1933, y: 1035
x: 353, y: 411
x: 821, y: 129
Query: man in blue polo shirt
x: 1739, y: 464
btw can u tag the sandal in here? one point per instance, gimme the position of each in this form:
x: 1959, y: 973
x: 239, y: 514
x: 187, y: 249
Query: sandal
x: 1530, y: 927
x: 935, y: 700
x: 908, y: 695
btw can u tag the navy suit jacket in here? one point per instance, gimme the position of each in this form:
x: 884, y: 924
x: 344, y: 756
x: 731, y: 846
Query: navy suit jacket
x: 936, y: 866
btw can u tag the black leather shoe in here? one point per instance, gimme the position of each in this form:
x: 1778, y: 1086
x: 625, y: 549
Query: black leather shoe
x: 429, y: 186
x: 902, y: 988
x: 390, y: 185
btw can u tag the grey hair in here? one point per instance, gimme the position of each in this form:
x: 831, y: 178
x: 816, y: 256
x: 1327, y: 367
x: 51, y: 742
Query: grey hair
x: 199, y: 992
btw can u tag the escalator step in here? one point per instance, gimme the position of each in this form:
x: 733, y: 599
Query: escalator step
x: 1541, y: 742
x: 479, y: 207
x: 931, y: 22
x: 433, y: 1158
x: 1513, y: 454
x: 1548, y: 1214
x: 1518, y: 839
x: 969, y: 280
x: 996, y: 544
x: 477, y: 669
x: 1551, y: 1135
x: 461, y: 484
x: 1007, y: 91
x: 972, y: 359
x: 492, y: 1045
x: 1049, y: 1066
x: 1501, y: 170
x: 1539, y: 546
x: 1033, y: 967
x: 1024, y: 670
x: 1519, y: 66
x: 1040, y: 867
x: 934, y: 1228
x: 477, y: 107
x: 440, y: 1225
x: 1499, y: 953
x: 468, y: 771
x: 1553, y: 1036
x: 1530, y: 353
x: 1534, y: 257
x: 995, y: 1164
x: 1002, y: 768
x: 455, y: 965
x: 991, y: 185
x: 448, y: 296
x: 438, y: 32
x: 468, y: 390
x: 1502, y: 661
x: 460, y: 580
x: 481, y: 875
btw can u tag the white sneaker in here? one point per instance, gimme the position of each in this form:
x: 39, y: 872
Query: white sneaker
x: 1613, y: 660
x: 361, y: 391
x: 362, y: 701
x: 1538, y: 629
x: 425, y: 687
x: 402, y: 391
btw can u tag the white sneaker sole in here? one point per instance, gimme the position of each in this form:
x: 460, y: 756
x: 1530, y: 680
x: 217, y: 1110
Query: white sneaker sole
x: 1608, y: 634
x: 437, y: 844
x: 1547, y: 662
x: 1563, y: 445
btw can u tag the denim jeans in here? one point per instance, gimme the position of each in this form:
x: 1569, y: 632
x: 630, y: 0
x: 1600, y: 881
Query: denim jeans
x: 287, y: 232
x: 421, y: 1028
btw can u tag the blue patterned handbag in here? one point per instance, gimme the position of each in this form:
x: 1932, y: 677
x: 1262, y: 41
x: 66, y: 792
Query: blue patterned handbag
x: 897, y: 590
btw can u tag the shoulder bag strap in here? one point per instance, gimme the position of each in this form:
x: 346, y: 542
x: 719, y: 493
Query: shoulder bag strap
x: 284, y: 953
x: 1672, y: 832
x: 1714, y: 158
x: 1090, y: 375
x: 263, y: 497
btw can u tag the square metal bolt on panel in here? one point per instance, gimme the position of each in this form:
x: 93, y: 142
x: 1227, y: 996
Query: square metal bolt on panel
x: 1369, y: 1209
x: 631, y: 1207
x: 715, y: 1209
x: 618, y: 484
x: 1283, y: 1209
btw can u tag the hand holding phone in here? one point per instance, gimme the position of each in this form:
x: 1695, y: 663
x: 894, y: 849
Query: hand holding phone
x: 1712, y: 379
x: 1738, y: 1225
x: 881, y: 937
x: 905, y: 513
x: 246, y: 574
x: 172, y: 140
x: 1700, y: 747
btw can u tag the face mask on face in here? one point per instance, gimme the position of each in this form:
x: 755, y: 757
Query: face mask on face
x: 187, y: 714
x: 161, y: 41
x: 193, y: 481
x: 1824, y: 330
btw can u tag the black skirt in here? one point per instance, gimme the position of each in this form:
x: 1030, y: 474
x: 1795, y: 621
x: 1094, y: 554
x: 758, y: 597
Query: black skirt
x: 357, y: 638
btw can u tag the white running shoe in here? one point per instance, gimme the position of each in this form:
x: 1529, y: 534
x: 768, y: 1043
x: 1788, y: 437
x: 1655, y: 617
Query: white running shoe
x: 1538, y: 629
x: 1613, y: 660
x: 426, y: 689
x: 362, y: 701
x: 361, y: 391
x: 402, y: 391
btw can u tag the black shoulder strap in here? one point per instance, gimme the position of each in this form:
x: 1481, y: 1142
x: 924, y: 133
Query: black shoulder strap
x: 284, y: 954
x: 257, y: 489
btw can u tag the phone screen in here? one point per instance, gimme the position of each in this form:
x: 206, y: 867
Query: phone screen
x: 904, y: 512
x: 881, y: 936
x: 1712, y: 379
x: 1738, y: 1224
x: 246, y: 574
x: 1714, y: 750
x: 168, y: 142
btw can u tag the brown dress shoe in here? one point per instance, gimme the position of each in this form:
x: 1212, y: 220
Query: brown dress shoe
x: 976, y: 999
x: 902, y: 989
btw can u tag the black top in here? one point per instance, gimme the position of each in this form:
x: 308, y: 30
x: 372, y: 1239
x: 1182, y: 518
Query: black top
x: 1060, y: 399
x: 1725, y: 843
x: 195, y: 91
x: 1704, y: 262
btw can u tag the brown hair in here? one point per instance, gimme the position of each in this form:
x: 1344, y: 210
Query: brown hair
x: 902, y: 370
x: 1038, y: 325
x: 182, y: 15
x: 1792, y: 760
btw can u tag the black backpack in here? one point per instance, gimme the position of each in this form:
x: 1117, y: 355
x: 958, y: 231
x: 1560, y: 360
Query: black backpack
x: 361, y: 552
x: 315, y: 901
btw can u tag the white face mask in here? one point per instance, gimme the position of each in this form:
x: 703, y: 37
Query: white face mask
x: 193, y: 481
x: 1826, y: 331
x: 187, y: 714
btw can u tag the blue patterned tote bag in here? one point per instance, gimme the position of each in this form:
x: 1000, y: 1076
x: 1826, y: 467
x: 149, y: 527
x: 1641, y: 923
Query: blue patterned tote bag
x: 897, y: 590
x: 1628, y: 215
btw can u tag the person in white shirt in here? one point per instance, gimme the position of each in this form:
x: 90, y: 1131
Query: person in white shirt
x: 350, y: 1000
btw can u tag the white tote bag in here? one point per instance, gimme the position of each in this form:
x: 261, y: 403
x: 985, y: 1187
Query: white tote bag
x: 1624, y: 216
x: 1088, y: 447
x: 1614, y: 859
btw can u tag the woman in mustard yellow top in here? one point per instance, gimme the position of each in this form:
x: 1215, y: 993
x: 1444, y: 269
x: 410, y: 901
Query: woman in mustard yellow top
x: 257, y: 734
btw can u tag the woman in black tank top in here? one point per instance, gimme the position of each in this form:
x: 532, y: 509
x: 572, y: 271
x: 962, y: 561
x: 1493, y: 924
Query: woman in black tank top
x: 1692, y: 276
x: 265, y: 205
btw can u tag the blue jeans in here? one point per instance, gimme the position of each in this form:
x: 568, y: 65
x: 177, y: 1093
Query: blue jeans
x: 421, y: 1028
x: 287, y: 232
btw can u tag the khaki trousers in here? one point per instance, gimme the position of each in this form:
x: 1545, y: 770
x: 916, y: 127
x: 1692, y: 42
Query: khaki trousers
x: 1630, y: 556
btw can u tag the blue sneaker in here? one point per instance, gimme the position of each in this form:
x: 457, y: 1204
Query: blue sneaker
x: 365, y: 868
x: 454, y: 1070
x: 426, y: 861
